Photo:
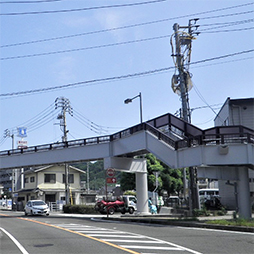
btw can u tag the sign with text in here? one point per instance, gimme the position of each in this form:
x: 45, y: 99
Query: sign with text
x: 111, y: 180
x: 22, y: 144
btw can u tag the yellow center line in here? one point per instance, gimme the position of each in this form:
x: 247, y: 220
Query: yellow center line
x: 78, y: 233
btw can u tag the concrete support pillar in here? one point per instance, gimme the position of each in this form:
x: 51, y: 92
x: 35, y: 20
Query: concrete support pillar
x: 244, y: 193
x: 142, y: 193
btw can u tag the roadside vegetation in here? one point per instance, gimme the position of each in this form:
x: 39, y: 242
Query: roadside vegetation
x: 233, y: 222
x: 79, y: 209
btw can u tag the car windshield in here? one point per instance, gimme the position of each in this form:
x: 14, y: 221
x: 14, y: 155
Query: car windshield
x: 34, y: 203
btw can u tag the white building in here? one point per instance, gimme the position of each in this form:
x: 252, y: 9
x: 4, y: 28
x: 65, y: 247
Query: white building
x: 48, y: 183
x: 235, y: 112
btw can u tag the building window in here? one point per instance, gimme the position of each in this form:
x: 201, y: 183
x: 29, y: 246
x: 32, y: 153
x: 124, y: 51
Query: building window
x: 50, y: 178
x: 26, y: 180
x: 226, y: 122
x: 32, y: 179
x: 71, y: 178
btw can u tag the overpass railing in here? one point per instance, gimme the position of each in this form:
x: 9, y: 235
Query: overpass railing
x: 212, y: 136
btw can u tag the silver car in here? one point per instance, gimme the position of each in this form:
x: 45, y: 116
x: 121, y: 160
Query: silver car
x: 36, y: 207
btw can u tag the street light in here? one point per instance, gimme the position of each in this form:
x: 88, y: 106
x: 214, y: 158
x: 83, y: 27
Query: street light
x: 129, y: 100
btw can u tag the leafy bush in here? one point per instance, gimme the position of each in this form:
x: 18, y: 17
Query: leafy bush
x: 130, y: 192
x: 200, y: 212
x: 80, y: 209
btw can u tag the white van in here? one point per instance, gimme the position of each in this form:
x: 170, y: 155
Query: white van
x: 207, y: 194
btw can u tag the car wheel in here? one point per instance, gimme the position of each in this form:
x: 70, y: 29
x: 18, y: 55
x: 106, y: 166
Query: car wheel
x: 25, y: 213
x: 131, y: 210
x: 111, y: 211
x: 31, y: 212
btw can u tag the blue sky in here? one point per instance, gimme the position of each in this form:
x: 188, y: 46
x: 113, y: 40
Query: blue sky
x: 31, y: 60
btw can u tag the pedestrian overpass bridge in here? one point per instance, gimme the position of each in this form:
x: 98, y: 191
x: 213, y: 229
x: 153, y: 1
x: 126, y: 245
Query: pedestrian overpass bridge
x: 227, y: 149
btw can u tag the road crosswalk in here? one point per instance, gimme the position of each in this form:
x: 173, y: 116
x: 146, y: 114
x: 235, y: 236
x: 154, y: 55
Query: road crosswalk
x: 136, y: 242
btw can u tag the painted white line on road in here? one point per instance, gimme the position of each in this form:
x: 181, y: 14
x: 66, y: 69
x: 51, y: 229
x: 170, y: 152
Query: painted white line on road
x: 89, y: 232
x: 21, y: 248
x: 171, y: 244
x: 131, y: 241
x: 117, y: 236
x: 151, y: 247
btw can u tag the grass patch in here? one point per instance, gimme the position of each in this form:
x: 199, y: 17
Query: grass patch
x: 236, y: 222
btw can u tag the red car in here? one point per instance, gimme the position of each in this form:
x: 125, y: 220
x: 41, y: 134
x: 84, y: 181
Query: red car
x: 121, y: 204
x: 109, y: 207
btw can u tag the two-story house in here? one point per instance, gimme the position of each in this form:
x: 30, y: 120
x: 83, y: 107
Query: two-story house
x: 48, y: 183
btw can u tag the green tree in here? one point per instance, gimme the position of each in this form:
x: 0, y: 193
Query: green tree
x: 169, y: 180
x: 127, y: 181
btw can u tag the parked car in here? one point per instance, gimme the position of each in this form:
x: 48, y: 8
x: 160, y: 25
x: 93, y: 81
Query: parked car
x: 36, y: 207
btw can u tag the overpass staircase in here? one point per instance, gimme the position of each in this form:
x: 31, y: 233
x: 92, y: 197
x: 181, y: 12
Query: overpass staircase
x: 172, y: 140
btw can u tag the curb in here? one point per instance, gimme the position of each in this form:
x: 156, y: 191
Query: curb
x: 167, y: 221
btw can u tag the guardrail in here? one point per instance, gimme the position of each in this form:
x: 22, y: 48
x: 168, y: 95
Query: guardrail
x: 212, y: 136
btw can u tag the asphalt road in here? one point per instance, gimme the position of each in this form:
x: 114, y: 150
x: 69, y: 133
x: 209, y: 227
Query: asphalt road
x: 55, y: 234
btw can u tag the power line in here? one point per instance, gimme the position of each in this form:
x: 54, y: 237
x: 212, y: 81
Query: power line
x: 231, y: 61
x: 31, y: 2
x: 203, y: 99
x: 129, y: 26
x: 81, y: 9
x: 88, y: 82
x: 39, y: 116
x: 229, y: 15
x: 110, y: 79
x: 232, y: 23
x: 91, y: 125
x: 229, y: 24
x: 228, y: 30
x: 129, y: 42
x: 85, y: 48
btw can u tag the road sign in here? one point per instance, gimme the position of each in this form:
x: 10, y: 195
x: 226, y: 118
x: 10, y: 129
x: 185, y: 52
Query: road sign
x: 111, y: 180
x: 22, y: 144
x: 22, y: 132
x: 110, y: 172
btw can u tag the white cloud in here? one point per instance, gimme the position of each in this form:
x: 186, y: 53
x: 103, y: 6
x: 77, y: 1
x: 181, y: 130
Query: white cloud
x: 114, y: 18
x: 64, y: 69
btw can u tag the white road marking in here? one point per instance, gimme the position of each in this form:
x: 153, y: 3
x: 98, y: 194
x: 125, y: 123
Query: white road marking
x: 89, y: 232
x: 125, y: 237
x: 150, y: 247
x: 131, y: 241
x: 21, y: 248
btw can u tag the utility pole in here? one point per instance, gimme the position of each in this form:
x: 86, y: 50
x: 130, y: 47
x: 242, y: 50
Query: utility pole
x: 181, y: 84
x: 65, y: 106
x: 181, y: 75
x: 7, y: 133
x: 88, y: 177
